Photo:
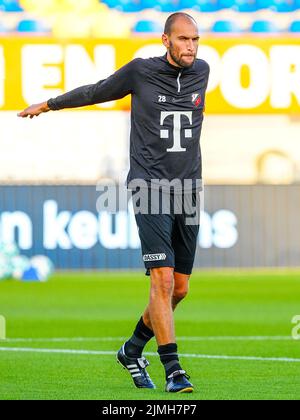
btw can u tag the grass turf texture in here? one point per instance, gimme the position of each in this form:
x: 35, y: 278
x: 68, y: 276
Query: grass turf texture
x: 108, y: 305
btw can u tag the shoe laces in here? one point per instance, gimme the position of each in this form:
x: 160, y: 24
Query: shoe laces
x: 179, y: 373
x: 143, y: 362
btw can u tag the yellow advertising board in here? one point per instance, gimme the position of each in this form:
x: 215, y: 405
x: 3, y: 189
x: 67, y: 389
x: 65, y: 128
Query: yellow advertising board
x: 248, y: 75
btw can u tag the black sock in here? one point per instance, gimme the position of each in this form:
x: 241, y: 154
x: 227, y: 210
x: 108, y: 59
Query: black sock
x: 169, y: 358
x: 135, y: 345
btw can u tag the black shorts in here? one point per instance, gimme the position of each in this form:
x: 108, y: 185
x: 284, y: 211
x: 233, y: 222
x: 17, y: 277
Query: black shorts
x: 169, y: 238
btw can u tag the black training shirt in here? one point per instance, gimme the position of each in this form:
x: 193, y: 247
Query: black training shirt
x: 167, y: 104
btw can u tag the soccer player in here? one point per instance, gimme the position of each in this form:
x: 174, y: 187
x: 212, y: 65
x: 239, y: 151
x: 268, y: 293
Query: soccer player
x: 168, y: 96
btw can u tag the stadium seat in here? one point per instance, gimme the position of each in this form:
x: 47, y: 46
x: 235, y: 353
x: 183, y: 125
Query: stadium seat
x: 226, y: 4
x: 173, y: 6
x: 148, y: 26
x: 161, y: 5
x: 147, y: 4
x: 113, y: 4
x: 225, y: 26
x: 207, y: 6
x: 168, y: 6
x: 128, y: 6
x: 264, y: 4
x: 295, y: 26
x: 284, y: 6
x: 186, y: 4
x: 264, y: 26
x: 31, y: 25
x: 10, y: 6
x: 246, y: 6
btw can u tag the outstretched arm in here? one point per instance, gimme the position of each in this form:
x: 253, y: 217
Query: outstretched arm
x: 118, y: 85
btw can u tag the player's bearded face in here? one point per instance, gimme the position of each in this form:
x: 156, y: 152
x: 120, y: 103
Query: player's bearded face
x: 181, y: 55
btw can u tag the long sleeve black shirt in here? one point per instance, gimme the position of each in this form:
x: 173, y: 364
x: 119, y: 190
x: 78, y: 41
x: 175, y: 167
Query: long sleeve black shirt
x: 167, y: 104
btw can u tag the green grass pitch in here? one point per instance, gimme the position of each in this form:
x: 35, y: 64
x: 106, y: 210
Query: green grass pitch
x: 233, y: 329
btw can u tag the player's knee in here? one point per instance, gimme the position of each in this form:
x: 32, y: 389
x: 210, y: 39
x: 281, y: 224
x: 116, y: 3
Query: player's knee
x: 162, y: 282
x: 180, y: 294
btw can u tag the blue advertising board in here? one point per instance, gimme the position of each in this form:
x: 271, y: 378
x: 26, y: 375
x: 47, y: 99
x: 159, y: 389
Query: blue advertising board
x: 241, y: 226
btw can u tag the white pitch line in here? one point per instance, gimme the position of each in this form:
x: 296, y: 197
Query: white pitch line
x: 238, y: 338
x: 62, y: 339
x: 111, y: 353
x: 186, y: 338
x: 60, y: 351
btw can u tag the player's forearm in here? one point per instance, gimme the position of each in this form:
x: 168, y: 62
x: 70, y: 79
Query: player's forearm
x: 114, y: 87
x: 81, y: 96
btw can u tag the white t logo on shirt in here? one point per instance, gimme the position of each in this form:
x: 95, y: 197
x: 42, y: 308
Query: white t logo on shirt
x: 164, y: 134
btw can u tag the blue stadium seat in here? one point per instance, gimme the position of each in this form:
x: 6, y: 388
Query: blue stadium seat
x: 187, y: 4
x: 226, y: 4
x: 31, y: 25
x: 295, y: 26
x: 130, y: 6
x: 264, y: 26
x: 111, y: 3
x: 246, y: 6
x: 207, y: 6
x: 225, y: 26
x: 147, y: 4
x: 177, y: 5
x: 264, y: 4
x: 148, y: 26
x: 169, y: 6
x: 284, y: 6
x: 10, y: 6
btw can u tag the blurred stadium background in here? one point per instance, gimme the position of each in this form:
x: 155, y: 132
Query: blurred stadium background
x: 122, y: 18
x: 250, y: 144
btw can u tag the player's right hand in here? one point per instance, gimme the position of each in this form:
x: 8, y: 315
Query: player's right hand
x: 34, y: 110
